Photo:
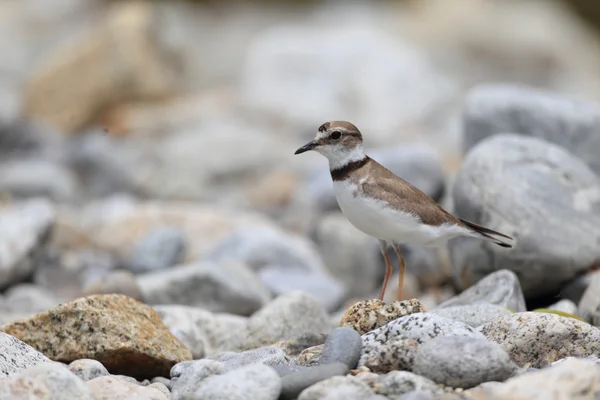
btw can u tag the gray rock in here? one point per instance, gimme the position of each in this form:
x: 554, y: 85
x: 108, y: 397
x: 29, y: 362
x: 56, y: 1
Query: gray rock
x: 24, y: 230
x: 343, y: 345
x: 328, y: 290
x: 589, y: 305
x: 473, y: 315
x: 351, y: 256
x: 225, y: 287
x: 187, y: 375
x: 38, y: 178
x: 498, y: 108
x: 29, y: 298
x: 564, y: 305
x: 161, y: 248
x: 215, y: 332
x: 295, y: 380
x: 501, y: 288
x: 288, y: 315
x: 534, y: 339
x: 417, y: 395
x: 256, y: 381
x: 572, y: 379
x: 574, y: 289
x: 396, y: 383
x: 261, y: 247
x: 352, y: 61
x: 526, y: 188
x: 264, y: 355
x: 337, y: 388
x: 181, y: 322
x: 17, y: 356
x: 87, y: 369
x: 463, y: 362
x: 390, y: 355
x: 116, y: 281
x: 161, y: 379
x: 50, y: 380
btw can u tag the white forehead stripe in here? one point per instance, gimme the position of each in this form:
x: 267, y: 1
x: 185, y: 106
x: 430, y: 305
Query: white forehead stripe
x: 321, y: 135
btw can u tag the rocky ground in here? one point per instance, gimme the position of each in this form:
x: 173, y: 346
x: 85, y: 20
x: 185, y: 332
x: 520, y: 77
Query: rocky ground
x: 159, y: 240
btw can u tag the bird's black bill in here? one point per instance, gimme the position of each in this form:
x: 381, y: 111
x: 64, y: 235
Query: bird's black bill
x: 308, y: 146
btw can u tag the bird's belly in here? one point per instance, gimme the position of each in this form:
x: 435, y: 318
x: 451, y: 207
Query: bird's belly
x: 377, y: 219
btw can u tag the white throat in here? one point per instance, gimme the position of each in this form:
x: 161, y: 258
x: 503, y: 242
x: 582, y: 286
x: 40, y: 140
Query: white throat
x: 340, y: 157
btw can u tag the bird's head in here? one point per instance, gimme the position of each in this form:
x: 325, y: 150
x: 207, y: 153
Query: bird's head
x: 339, y: 141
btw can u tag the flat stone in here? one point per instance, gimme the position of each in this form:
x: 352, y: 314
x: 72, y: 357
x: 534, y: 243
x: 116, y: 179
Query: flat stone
x: 589, y: 305
x: 24, y: 231
x: 17, y: 356
x: 126, y: 336
x: 111, y: 388
x: 288, y: 315
x: 295, y: 382
x: 490, y: 190
x: 463, y: 362
x: 534, y: 339
x: 256, y: 381
x: 368, y: 315
x: 473, y: 315
x: 342, y: 345
x: 500, y: 288
x: 47, y: 381
x: 161, y: 248
x: 396, y: 383
x: 229, y: 287
x: 87, y: 369
x: 187, y: 375
x: 337, y: 388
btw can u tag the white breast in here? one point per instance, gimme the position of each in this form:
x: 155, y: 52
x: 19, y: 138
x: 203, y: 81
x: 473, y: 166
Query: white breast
x: 376, y: 218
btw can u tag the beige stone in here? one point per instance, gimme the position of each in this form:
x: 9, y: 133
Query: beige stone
x: 126, y: 336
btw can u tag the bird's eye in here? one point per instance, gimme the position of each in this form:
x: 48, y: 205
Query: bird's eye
x: 335, y: 135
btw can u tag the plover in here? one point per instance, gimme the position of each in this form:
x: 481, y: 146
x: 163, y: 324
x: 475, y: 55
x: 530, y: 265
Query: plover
x: 383, y: 205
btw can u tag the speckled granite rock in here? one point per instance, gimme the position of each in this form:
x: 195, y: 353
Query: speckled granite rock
x: 17, y: 356
x: 112, y: 388
x: 394, y: 354
x: 263, y: 355
x: 573, y: 379
x: 48, y: 381
x: 310, y: 356
x: 126, y: 336
x: 537, y: 339
x: 472, y: 314
x: 394, y: 345
x: 367, y: 315
x: 397, y: 383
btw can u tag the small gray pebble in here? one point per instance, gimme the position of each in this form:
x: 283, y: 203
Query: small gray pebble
x: 161, y: 248
x: 342, y: 345
x: 293, y: 384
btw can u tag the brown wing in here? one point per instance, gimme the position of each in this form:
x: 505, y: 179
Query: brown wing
x: 404, y: 196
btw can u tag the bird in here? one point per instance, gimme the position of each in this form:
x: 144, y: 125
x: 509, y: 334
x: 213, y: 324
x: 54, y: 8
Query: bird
x: 383, y: 205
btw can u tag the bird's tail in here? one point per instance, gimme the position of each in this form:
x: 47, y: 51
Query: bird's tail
x: 496, y: 237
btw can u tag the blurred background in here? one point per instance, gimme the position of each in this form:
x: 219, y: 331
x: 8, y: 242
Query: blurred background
x: 165, y: 130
